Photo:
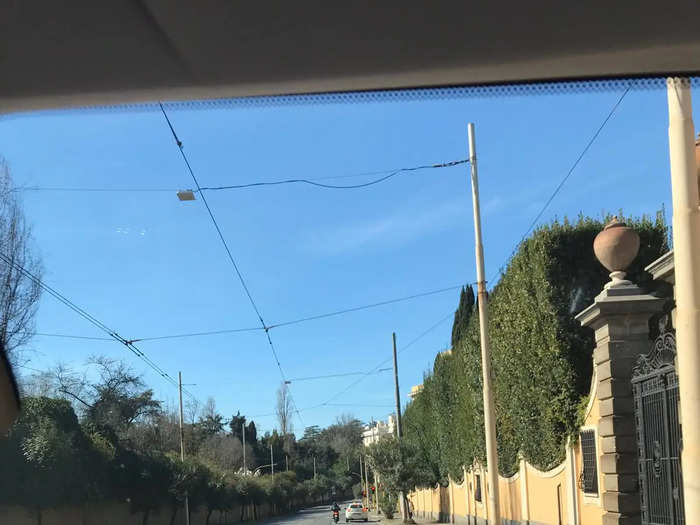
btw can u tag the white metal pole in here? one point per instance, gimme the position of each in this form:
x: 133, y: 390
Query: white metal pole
x: 686, y: 255
x: 182, y: 446
x: 272, y: 461
x: 245, y: 470
x: 489, y: 412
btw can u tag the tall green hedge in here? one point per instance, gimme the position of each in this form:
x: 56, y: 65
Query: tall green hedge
x: 542, y: 357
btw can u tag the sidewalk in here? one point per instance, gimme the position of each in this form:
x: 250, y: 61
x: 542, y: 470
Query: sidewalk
x: 396, y: 520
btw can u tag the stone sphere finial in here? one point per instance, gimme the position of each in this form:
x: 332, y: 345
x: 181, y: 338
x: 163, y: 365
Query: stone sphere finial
x: 616, y: 247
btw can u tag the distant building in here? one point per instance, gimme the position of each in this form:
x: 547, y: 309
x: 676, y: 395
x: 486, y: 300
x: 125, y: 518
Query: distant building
x: 376, y: 429
x: 415, y: 390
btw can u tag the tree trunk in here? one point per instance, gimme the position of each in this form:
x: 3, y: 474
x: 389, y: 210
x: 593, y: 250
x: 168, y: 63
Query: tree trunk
x: 39, y: 517
x: 146, y: 512
x: 172, y: 516
x: 209, y: 511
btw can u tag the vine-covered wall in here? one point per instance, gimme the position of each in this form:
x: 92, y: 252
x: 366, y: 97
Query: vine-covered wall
x: 542, y: 357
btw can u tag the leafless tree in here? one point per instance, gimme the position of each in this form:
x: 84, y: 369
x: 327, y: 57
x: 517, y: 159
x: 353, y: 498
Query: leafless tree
x: 223, y: 451
x: 283, y: 409
x: 19, y: 294
x: 208, y: 409
x: 39, y: 384
x: 72, y: 386
x: 191, y: 410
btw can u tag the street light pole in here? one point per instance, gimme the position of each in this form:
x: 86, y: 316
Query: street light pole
x: 272, y: 462
x: 686, y: 256
x: 182, y: 446
x: 489, y: 412
x: 402, y: 496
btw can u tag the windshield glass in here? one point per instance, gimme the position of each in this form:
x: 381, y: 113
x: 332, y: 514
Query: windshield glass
x: 208, y: 302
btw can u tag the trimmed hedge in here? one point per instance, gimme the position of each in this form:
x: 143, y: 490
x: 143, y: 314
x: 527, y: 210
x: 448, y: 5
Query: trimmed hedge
x: 542, y: 357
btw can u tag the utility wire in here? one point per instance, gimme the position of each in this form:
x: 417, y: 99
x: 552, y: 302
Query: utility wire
x: 70, y: 336
x: 198, y: 334
x: 270, y: 327
x: 377, y: 367
x: 367, y: 306
x: 329, y: 376
x: 211, y: 215
x: 568, y: 174
x: 358, y: 405
x: 316, y: 407
x: 228, y: 251
x: 94, y: 190
x: 91, y: 319
x: 311, y: 181
x: 333, y: 186
x: 35, y: 370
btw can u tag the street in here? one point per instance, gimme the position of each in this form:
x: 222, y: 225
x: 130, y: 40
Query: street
x: 313, y: 516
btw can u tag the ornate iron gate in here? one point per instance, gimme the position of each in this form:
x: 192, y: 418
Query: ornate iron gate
x: 655, y: 388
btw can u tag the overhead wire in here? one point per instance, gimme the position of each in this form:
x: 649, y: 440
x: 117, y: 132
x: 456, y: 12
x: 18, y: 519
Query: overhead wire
x: 330, y: 376
x: 200, y: 334
x: 35, y: 370
x: 333, y: 186
x: 358, y: 405
x: 367, y: 306
x: 269, y: 327
x: 72, y: 336
x: 91, y: 319
x: 566, y: 177
x: 385, y: 361
x: 230, y: 255
x: 310, y: 181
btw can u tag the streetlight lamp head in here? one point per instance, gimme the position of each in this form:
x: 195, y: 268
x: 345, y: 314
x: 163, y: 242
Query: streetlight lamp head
x: 185, y: 195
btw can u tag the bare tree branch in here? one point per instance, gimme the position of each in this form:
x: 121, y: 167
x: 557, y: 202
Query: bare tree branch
x: 283, y: 409
x: 19, y: 295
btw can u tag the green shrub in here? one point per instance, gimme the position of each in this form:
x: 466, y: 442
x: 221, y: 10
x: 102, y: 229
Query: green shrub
x: 387, y: 503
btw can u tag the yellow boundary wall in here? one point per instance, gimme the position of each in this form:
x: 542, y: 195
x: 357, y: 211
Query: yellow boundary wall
x: 529, y: 496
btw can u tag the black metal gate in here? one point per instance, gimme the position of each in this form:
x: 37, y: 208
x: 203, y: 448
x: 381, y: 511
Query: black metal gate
x: 655, y: 388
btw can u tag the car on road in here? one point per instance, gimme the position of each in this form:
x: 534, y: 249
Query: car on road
x: 356, y: 512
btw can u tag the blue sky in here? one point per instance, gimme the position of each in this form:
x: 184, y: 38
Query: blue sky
x: 148, y: 265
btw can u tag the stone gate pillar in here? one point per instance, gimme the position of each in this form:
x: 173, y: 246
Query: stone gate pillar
x: 620, y: 317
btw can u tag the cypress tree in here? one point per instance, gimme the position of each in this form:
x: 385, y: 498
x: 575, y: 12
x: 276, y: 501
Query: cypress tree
x: 463, y: 314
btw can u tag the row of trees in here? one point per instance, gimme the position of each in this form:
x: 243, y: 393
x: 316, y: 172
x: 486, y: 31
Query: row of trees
x: 53, y: 460
x: 82, y: 440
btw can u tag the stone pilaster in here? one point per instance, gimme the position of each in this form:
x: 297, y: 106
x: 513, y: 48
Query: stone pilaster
x: 620, y: 317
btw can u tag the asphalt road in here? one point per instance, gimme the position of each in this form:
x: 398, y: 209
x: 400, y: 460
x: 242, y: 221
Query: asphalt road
x: 313, y: 516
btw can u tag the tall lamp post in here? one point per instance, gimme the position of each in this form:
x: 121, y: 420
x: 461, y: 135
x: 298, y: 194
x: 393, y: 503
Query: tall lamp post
x: 489, y: 412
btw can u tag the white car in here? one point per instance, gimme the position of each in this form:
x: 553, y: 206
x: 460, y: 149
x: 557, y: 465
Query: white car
x: 356, y: 512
